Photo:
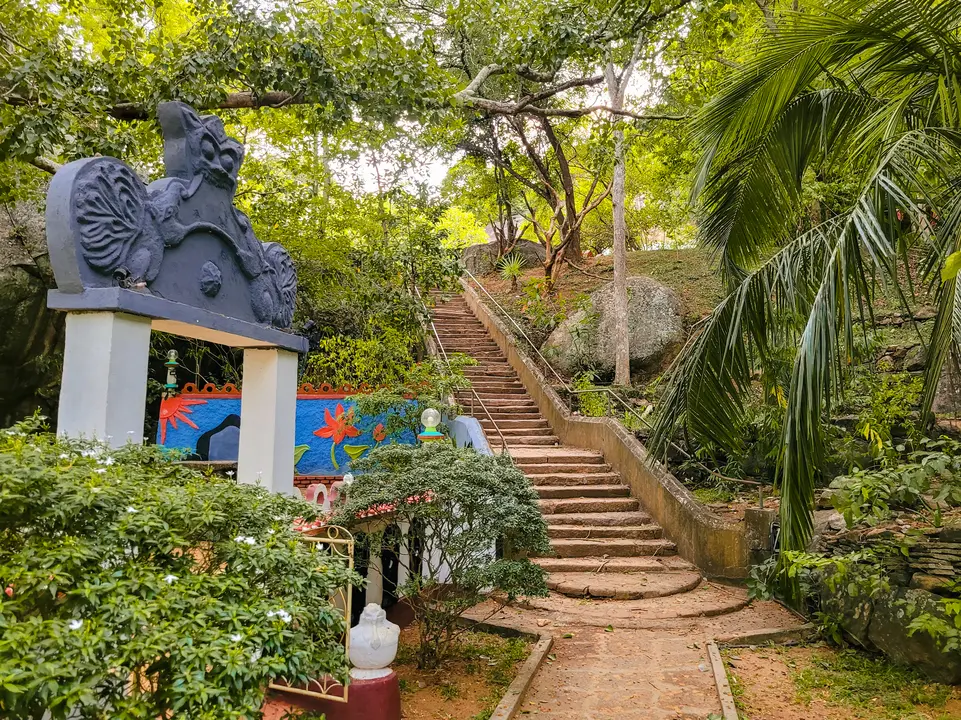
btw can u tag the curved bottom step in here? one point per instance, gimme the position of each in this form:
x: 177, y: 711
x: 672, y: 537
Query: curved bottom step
x: 623, y: 586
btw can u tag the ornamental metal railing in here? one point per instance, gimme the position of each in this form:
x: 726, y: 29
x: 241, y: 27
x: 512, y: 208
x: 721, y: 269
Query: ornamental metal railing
x: 339, y: 544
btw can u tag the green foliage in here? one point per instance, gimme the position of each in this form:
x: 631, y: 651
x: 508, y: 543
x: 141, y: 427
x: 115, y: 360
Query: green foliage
x: 120, y: 564
x: 857, y: 574
x: 431, y: 383
x: 591, y: 404
x: 511, y: 267
x: 457, y: 503
x: 342, y: 360
x: 890, y: 402
x: 803, y: 277
x: 946, y: 631
x: 933, y: 472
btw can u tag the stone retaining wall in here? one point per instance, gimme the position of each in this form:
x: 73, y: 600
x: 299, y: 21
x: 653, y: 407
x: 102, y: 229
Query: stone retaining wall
x: 720, y: 548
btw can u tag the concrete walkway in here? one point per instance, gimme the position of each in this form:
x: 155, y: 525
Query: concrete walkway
x: 633, y: 660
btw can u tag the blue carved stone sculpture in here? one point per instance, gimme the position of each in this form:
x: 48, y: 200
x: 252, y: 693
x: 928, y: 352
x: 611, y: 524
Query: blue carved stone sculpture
x: 177, y: 250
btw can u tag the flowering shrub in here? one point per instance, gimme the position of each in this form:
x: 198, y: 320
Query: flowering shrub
x: 457, y: 504
x: 136, y: 588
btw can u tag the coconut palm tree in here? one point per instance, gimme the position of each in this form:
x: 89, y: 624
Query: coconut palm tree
x: 867, y: 89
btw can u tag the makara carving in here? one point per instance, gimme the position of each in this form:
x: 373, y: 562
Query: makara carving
x: 180, y: 238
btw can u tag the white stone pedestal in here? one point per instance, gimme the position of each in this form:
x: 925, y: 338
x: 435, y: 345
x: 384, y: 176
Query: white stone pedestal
x: 104, y: 385
x: 268, y: 407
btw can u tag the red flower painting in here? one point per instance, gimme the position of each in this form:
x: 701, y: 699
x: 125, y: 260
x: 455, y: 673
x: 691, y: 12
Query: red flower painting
x: 337, y: 427
x: 380, y: 432
x: 173, y: 409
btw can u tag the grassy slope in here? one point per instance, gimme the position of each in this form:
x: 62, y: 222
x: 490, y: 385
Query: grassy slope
x: 688, y: 272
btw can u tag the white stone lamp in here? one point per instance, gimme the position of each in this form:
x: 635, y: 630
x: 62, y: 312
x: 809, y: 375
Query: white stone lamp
x: 430, y: 419
x: 373, y: 644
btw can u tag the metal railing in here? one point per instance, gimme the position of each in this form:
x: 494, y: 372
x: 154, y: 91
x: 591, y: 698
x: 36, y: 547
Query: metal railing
x: 611, y: 394
x: 474, y: 396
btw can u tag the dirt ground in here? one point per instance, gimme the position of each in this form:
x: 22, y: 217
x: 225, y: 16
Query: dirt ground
x: 466, y: 688
x: 798, y: 683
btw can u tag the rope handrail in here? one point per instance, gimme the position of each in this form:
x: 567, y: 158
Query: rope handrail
x: 610, y: 393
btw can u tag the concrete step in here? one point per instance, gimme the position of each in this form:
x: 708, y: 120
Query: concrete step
x: 515, y: 423
x: 575, y: 479
x: 520, y: 432
x: 497, y: 393
x: 530, y: 441
x: 597, y: 519
x: 632, y: 586
x: 495, y: 387
x: 521, y: 413
x: 612, y: 547
x: 582, y: 491
x: 562, y: 454
x: 589, y: 532
x: 532, y: 469
x: 599, y: 565
x: 589, y: 505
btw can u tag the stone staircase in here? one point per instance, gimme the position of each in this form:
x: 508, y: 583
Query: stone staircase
x: 605, y: 544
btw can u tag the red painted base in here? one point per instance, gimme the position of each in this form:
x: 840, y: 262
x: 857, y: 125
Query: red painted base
x: 367, y: 700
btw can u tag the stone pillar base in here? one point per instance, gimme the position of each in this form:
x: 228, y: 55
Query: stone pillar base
x: 377, y: 699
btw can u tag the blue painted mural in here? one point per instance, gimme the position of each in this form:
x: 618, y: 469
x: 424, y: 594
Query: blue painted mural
x: 329, y: 434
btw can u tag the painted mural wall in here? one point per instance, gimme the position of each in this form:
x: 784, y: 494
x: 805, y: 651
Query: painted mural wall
x: 205, y: 422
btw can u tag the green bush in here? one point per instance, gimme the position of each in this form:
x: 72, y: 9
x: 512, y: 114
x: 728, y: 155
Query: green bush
x: 136, y: 588
x: 341, y: 360
x: 457, y: 503
x: 932, y: 474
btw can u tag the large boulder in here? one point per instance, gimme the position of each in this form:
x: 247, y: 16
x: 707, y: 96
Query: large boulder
x: 31, y: 336
x: 482, y: 259
x: 585, y: 340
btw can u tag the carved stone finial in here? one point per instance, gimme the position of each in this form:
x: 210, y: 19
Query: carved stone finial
x: 373, y: 644
x: 180, y: 239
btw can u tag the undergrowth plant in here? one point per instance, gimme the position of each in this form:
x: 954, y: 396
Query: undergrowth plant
x: 511, y: 267
x: 133, y: 587
x: 930, y: 477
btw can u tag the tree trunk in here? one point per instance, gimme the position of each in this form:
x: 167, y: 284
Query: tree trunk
x: 622, y: 341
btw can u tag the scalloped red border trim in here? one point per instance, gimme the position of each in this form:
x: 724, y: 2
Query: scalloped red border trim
x: 307, y: 390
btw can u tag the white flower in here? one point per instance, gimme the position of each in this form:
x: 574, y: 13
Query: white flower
x: 100, y: 471
x: 107, y: 461
x: 130, y: 509
x: 170, y: 579
x: 270, y: 532
x: 75, y: 624
x: 230, y: 473
x: 282, y: 614
x: 236, y: 637
x: 64, y: 456
x: 246, y: 539
x: 255, y: 655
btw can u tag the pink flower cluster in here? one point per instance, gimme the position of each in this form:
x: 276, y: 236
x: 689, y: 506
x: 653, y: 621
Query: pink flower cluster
x: 384, y: 508
x: 379, y: 509
x: 302, y: 526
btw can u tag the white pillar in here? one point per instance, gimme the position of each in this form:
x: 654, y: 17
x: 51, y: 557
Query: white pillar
x: 104, y: 384
x: 375, y: 579
x: 268, y: 406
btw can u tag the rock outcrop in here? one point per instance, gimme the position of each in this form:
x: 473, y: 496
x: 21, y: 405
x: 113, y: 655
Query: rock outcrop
x: 585, y: 340
x: 482, y: 259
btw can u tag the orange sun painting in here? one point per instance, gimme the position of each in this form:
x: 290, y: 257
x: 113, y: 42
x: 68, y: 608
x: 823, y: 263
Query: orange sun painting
x: 173, y: 409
